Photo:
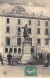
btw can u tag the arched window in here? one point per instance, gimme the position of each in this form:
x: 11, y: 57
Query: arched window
x: 38, y: 23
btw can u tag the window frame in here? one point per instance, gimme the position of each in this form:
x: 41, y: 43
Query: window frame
x: 46, y: 31
x: 5, y: 50
x: 46, y: 23
x: 39, y: 43
x: 46, y: 41
x: 7, y: 29
x: 29, y: 22
x: 7, y: 44
x: 18, y: 50
x: 19, y: 21
x: 38, y: 23
x: 15, y: 51
x: 18, y: 42
x: 8, y: 20
x: 38, y: 30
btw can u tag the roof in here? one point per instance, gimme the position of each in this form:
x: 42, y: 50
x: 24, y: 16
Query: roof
x: 20, y: 12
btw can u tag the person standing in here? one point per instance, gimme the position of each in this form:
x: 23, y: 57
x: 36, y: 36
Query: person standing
x: 9, y: 57
x: 48, y: 58
x: 1, y: 59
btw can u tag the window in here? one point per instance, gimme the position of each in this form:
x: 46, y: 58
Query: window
x: 19, y: 21
x: 19, y: 41
x: 29, y: 30
x: 38, y: 23
x: 38, y: 41
x: 19, y: 50
x: 32, y: 50
x: 46, y: 23
x: 19, y: 29
x: 15, y: 50
x: 46, y: 41
x: 7, y: 29
x: 7, y: 40
x: 46, y: 31
x: 29, y: 22
x: 10, y: 50
x: 8, y: 20
x: 38, y: 31
x: 6, y: 50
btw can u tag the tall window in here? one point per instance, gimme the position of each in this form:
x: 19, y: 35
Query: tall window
x: 8, y: 20
x: 38, y: 23
x: 7, y: 29
x: 46, y: 23
x: 19, y: 50
x: 19, y: 41
x: 39, y: 41
x: 46, y: 31
x: 6, y: 50
x: 19, y: 21
x: 38, y: 31
x: 29, y: 22
x: 29, y: 30
x: 7, y: 40
x: 46, y: 41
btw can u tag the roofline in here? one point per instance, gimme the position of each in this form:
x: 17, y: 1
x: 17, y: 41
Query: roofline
x: 25, y: 16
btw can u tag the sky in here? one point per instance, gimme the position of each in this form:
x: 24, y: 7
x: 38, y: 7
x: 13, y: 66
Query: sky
x: 4, y: 5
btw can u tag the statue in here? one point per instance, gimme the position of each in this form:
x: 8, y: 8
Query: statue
x: 26, y: 32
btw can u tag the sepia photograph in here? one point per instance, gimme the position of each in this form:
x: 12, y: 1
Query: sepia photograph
x: 24, y: 38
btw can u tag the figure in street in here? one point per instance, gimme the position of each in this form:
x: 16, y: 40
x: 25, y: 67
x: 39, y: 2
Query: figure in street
x: 1, y: 59
x: 48, y: 58
x: 9, y: 57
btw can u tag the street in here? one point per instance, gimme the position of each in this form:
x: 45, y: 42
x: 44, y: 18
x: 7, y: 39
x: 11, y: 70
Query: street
x: 18, y: 71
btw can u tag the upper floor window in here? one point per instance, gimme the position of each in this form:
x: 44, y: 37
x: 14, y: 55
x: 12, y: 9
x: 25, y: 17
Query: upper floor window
x: 7, y: 29
x: 46, y: 41
x: 29, y: 30
x: 7, y: 40
x: 29, y: 22
x: 19, y: 29
x: 38, y: 23
x: 46, y: 31
x: 19, y: 41
x: 39, y: 41
x: 8, y: 20
x: 46, y: 23
x: 19, y: 21
x: 38, y: 31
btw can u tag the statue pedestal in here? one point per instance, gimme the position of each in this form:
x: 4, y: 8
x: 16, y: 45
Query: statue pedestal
x: 26, y: 52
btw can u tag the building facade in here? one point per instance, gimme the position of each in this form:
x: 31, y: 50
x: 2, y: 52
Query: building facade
x: 12, y: 32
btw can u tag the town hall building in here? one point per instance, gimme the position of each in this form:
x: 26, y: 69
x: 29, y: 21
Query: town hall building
x: 12, y: 38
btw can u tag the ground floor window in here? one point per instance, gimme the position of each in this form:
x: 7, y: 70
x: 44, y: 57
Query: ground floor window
x: 10, y: 50
x: 15, y: 50
x: 6, y: 50
x: 19, y: 50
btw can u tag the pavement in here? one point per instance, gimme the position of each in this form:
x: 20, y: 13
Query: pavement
x: 18, y: 71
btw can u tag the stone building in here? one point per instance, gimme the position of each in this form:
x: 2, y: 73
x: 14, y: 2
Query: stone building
x: 12, y: 33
